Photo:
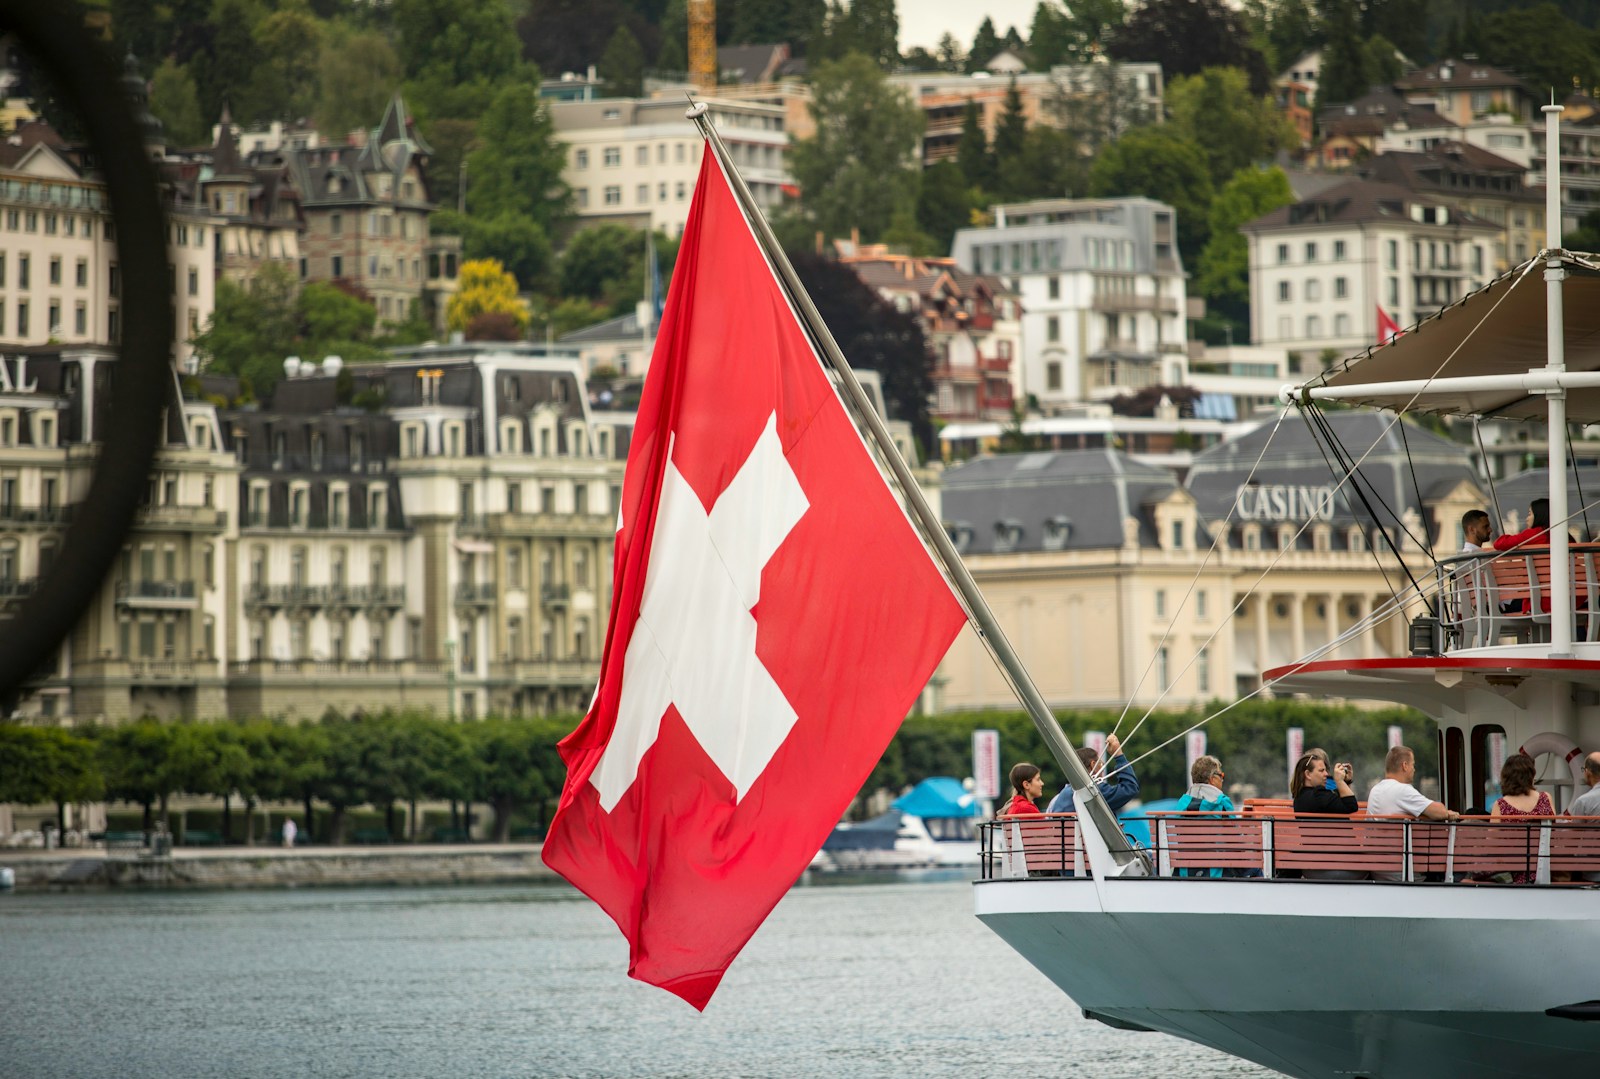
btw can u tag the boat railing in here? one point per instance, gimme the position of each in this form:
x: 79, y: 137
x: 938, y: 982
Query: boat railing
x: 1489, y: 596
x: 1538, y: 850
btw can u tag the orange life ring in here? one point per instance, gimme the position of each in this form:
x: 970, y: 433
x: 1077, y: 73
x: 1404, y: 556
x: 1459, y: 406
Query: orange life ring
x: 1561, y: 746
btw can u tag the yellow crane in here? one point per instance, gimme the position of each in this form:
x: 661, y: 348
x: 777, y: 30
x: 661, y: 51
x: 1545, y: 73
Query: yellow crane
x: 703, y: 44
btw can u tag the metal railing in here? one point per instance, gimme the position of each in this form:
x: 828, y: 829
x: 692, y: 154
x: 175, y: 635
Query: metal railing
x: 1311, y: 847
x: 155, y: 590
x: 1488, y: 596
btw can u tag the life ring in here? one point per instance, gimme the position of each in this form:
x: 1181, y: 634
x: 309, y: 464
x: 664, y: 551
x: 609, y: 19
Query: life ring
x: 1561, y: 746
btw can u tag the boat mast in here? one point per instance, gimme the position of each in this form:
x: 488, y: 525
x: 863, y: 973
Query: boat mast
x: 1556, y: 364
x: 1090, y: 803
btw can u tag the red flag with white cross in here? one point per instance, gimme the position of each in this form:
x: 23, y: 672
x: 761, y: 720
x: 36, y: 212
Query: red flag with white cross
x: 773, y: 619
x: 1388, y: 328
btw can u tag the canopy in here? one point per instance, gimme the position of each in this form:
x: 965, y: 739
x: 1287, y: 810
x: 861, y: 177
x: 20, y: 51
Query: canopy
x: 1497, y: 330
x: 938, y: 796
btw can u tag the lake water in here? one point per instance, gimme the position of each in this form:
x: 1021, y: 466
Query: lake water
x: 871, y: 979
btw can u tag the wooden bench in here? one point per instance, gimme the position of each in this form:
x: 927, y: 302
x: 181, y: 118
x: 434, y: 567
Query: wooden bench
x: 123, y: 839
x: 1335, y: 842
x: 1193, y: 844
x: 1033, y: 846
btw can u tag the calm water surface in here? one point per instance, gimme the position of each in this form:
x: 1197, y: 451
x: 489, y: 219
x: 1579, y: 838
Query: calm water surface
x: 892, y: 979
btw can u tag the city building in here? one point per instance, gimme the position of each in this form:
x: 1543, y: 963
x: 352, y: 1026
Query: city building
x: 1464, y: 90
x: 1103, y: 297
x: 1321, y: 269
x: 257, y: 209
x: 1353, y: 131
x: 1466, y: 177
x: 1103, y: 574
x: 971, y: 323
x: 1580, y: 161
x: 634, y: 161
x: 621, y: 345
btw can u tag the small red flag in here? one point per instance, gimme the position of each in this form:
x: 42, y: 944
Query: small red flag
x: 773, y: 619
x: 1388, y: 328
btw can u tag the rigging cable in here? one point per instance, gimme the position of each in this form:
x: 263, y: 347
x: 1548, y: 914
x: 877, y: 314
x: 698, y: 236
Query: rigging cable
x: 1494, y: 493
x: 1572, y: 455
x: 1416, y: 486
x: 1376, y: 558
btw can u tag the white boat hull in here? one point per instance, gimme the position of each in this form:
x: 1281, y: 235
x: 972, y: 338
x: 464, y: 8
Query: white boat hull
x: 1322, y: 979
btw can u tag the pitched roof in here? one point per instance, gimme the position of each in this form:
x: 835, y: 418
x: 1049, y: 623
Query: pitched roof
x: 1377, y: 110
x: 1429, y: 170
x: 1358, y: 202
x: 1457, y: 75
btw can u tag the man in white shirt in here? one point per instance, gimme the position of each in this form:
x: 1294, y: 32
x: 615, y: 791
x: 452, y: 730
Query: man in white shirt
x: 1394, y: 796
x: 1587, y: 804
x: 1476, y: 528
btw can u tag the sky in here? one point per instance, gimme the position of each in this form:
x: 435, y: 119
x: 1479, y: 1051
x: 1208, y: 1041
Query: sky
x: 924, y: 22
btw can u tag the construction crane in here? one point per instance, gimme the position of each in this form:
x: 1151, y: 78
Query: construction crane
x: 703, y: 44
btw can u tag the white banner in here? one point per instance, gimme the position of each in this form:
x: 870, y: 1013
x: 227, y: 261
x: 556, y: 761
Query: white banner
x: 1095, y: 740
x: 1396, y: 736
x: 1295, y: 743
x: 1195, y: 745
x: 1497, y: 758
x: 986, y: 764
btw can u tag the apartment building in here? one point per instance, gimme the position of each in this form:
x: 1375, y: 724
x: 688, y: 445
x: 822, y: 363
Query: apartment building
x: 1466, y: 177
x: 634, y: 161
x: 433, y: 532
x: 60, y: 279
x: 1463, y: 90
x: 972, y: 324
x: 1102, y: 289
x: 1321, y: 269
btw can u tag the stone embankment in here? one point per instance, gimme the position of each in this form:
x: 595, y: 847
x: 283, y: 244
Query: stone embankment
x: 276, y: 867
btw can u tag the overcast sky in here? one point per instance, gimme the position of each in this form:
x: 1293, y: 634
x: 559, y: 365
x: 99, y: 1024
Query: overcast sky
x: 923, y: 22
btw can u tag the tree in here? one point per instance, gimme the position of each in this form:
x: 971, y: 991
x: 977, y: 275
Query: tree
x: 1223, y: 276
x: 972, y: 152
x: 484, y: 286
x: 1281, y: 29
x: 985, y: 46
x: 1159, y: 164
x: 224, y: 57
x: 1010, y: 134
x: 176, y: 103
x: 1345, y: 75
x: 513, y: 239
x: 1383, y: 66
x: 357, y: 75
x: 874, y: 30
x: 517, y: 766
x: 1187, y: 36
x: 1097, y: 104
x: 1051, y: 166
x: 1544, y: 46
x: 874, y: 336
x: 1216, y: 111
x: 283, y: 84
x: 452, y: 141
x: 252, y: 328
x: 622, y: 64
x: 674, y: 54
x: 1051, y: 40
x: 862, y: 163
x: 951, y: 56
x: 599, y: 264
x: 458, y: 54
x: 518, y: 163
x: 328, y: 313
x: 944, y: 203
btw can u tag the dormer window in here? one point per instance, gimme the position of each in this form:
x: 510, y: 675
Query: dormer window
x: 960, y: 533
x: 1057, y: 531
x: 1007, y: 534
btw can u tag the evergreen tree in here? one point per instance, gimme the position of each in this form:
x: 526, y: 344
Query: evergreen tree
x: 1050, y: 38
x: 622, y: 65
x: 1223, y: 266
x: 1159, y: 163
x: 358, y: 74
x: 674, y: 54
x: 1382, y: 65
x: 1187, y: 36
x: 1345, y: 75
x: 1215, y: 111
x: 1009, y: 138
x: 972, y: 152
x: 517, y: 166
x: 951, y: 58
x: 874, y: 30
x: 175, y: 102
x: 984, y: 46
x: 944, y: 204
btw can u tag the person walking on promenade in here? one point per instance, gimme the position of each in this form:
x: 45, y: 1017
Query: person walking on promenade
x: 1119, y: 787
x: 1028, y: 783
x: 289, y: 831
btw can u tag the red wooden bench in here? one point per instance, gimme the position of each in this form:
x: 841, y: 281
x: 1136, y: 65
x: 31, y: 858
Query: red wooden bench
x: 1191, y: 844
x: 1334, y: 842
x: 1043, y: 845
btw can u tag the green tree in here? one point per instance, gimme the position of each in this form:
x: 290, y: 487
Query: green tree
x: 1223, y: 272
x: 674, y: 54
x: 452, y: 141
x: 1544, y: 46
x: 972, y: 151
x: 1281, y: 29
x: 985, y: 46
x: 357, y: 75
x: 1383, y: 66
x: 862, y: 163
x: 944, y: 203
x: 484, y: 286
x: 622, y: 64
x: 283, y: 83
x: 176, y: 103
x: 1216, y: 111
x: 1051, y: 39
x: 1051, y: 166
x: 1009, y: 138
x: 47, y: 764
x: 329, y: 314
x: 517, y: 766
x: 603, y: 264
x: 951, y: 56
x: 458, y: 55
x: 225, y: 65
x: 1098, y: 104
x: 251, y: 329
x: 517, y: 165
x: 1159, y: 164
x: 874, y: 30
x: 1345, y: 74
x: 1187, y: 36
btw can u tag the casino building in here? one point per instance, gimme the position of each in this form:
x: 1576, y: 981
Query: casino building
x: 1103, y: 574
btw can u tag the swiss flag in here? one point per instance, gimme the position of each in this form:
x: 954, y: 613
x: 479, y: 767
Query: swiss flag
x: 1388, y: 328
x: 773, y: 619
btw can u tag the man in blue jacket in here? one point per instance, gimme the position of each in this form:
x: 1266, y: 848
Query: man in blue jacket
x: 1119, y: 788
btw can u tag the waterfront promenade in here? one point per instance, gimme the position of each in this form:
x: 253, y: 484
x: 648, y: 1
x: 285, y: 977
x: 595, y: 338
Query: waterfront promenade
x: 277, y: 867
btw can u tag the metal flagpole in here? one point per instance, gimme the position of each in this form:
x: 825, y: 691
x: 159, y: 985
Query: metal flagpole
x: 1090, y: 803
x: 1556, y: 364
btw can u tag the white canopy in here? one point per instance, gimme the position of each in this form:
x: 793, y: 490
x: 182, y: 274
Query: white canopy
x: 1497, y: 330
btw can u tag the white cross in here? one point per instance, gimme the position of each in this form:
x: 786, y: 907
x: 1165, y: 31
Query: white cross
x: 694, y: 645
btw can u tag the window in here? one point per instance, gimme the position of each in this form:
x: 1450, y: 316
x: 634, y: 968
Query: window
x: 55, y: 270
x: 613, y: 156
x: 1338, y: 250
x: 1202, y: 671
x: 1052, y: 375
x: 580, y: 159
x: 1055, y: 288
x: 641, y: 155
x: 613, y: 195
x: 1313, y: 325
x: 1161, y: 603
x: 24, y: 263
x: 641, y: 194
x: 1283, y: 292
x: 1283, y: 254
x: 1313, y: 290
x: 1163, y: 675
x: 1393, y: 290
x: 81, y: 273
x: 514, y: 567
x: 1052, y: 328
x: 1311, y: 252
x: 1391, y: 254
x: 1341, y: 325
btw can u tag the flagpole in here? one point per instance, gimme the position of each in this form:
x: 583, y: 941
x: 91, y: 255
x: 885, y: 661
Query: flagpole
x: 1086, y: 793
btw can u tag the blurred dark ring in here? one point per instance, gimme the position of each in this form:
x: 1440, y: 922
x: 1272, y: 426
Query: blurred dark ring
x: 143, y: 380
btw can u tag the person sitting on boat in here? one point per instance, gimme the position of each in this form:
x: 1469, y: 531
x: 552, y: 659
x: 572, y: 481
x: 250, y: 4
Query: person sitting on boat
x: 1587, y: 804
x: 1394, y: 796
x: 1476, y: 528
x: 1119, y: 787
x: 1205, y: 795
x: 1028, y: 783
x: 1310, y: 786
x: 1537, y: 534
x: 1518, y: 798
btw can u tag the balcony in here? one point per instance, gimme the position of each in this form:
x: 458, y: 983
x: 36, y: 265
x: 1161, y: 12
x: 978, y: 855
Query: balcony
x: 188, y: 518
x: 157, y: 595
x: 945, y: 372
x: 1129, y: 302
x: 476, y: 595
x: 545, y: 672
x: 14, y: 591
x: 983, y: 320
x: 555, y: 595
x: 302, y: 669
x: 994, y: 365
x: 13, y: 515
x: 569, y: 525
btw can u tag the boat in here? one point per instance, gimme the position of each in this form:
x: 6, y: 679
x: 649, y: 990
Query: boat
x: 932, y: 825
x: 1431, y: 974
